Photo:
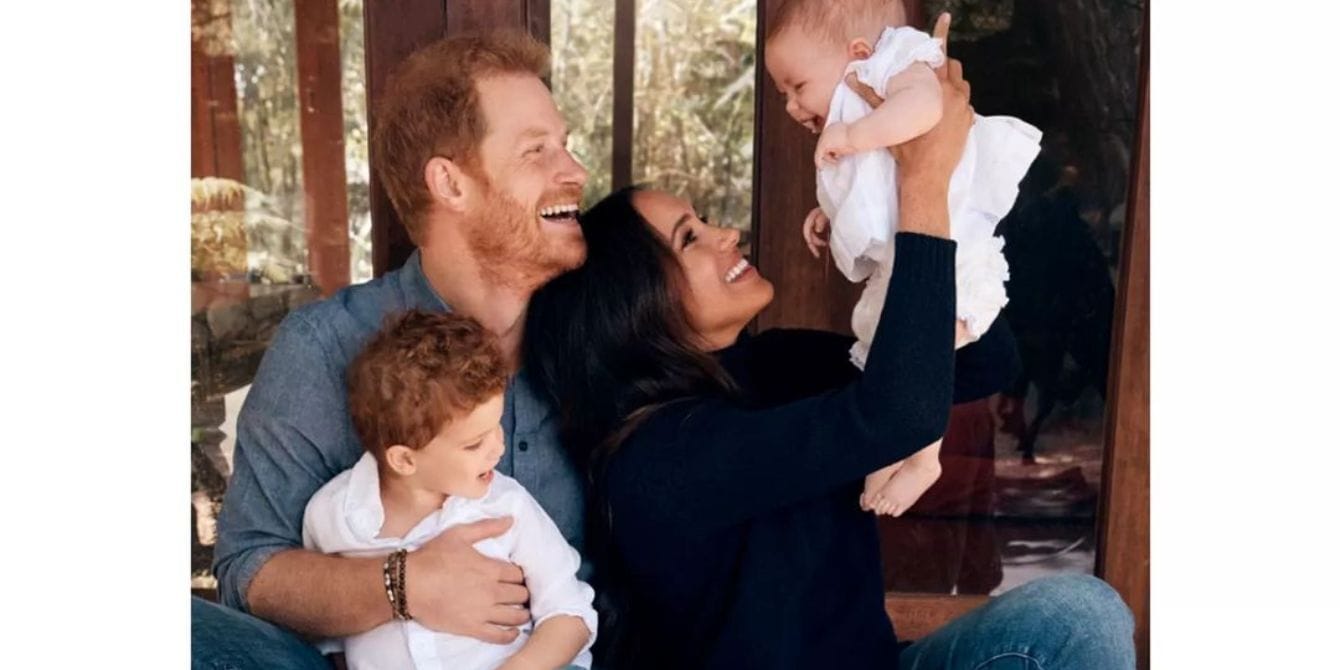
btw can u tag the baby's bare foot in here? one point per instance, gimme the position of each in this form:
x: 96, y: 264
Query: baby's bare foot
x: 906, y: 486
x: 874, y: 482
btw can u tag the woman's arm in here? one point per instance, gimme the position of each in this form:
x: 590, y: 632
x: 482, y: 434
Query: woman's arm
x: 710, y: 464
x: 718, y: 464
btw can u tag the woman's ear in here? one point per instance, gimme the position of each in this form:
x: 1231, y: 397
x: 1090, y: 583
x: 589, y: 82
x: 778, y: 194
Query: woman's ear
x: 447, y: 182
x: 400, y: 459
x: 859, y: 49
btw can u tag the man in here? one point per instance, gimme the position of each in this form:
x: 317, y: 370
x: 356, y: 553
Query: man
x: 472, y: 151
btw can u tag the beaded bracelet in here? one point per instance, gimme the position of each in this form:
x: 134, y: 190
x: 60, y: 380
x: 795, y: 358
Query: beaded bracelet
x: 393, y: 577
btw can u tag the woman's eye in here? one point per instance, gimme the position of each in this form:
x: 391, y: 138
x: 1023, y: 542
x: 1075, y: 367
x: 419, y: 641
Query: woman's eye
x: 689, y: 237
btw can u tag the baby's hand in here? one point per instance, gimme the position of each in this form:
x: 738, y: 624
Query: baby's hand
x: 815, y: 230
x: 834, y: 143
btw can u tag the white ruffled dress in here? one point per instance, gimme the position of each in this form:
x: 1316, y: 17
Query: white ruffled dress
x: 859, y: 196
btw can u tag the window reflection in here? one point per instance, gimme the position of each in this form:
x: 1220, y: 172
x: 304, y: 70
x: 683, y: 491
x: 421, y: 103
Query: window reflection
x: 250, y: 263
x: 1023, y: 469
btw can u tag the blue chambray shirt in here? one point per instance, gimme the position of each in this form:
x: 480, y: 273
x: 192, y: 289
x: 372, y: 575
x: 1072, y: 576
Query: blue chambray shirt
x: 294, y: 432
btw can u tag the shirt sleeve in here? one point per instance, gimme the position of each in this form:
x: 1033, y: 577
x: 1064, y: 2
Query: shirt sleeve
x: 285, y: 433
x: 717, y: 463
x: 550, y: 565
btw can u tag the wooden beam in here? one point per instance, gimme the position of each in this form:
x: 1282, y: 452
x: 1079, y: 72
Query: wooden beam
x: 1123, y: 531
x: 317, y: 32
x: 915, y: 616
x: 392, y: 31
x: 625, y: 58
x: 915, y: 13
x: 809, y: 293
x: 216, y: 132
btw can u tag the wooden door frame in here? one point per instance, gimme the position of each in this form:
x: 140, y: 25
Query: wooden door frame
x: 1123, y: 513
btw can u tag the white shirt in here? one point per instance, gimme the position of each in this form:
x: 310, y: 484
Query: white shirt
x: 345, y: 516
x: 859, y: 197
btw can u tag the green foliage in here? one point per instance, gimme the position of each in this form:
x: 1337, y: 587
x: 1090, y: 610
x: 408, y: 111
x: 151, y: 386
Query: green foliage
x: 264, y: 48
x: 693, y: 129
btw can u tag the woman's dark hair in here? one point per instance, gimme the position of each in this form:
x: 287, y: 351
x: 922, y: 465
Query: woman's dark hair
x: 609, y: 342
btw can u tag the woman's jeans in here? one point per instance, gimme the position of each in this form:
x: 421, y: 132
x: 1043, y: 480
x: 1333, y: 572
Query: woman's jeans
x: 1070, y: 621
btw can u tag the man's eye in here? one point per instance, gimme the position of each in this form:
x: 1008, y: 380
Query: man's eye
x: 535, y: 149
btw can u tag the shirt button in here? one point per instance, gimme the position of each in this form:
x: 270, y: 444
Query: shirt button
x: 523, y: 446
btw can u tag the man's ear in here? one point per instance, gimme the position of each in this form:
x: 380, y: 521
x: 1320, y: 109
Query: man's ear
x: 400, y: 459
x: 859, y: 49
x: 449, y: 185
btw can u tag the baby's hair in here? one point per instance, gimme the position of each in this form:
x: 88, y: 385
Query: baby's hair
x: 836, y: 21
x: 419, y: 372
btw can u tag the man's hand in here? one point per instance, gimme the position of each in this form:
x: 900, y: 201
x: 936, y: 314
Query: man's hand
x: 453, y: 588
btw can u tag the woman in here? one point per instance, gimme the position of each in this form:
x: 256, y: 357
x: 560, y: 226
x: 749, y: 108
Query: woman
x: 726, y: 471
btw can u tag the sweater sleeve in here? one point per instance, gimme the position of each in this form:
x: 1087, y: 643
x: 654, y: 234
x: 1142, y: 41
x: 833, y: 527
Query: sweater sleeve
x: 716, y: 464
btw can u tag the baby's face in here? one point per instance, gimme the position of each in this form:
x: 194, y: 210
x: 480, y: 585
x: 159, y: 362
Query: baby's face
x: 459, y: 461
x: 806, y: 71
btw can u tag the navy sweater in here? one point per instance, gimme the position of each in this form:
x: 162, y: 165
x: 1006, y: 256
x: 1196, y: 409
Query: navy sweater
x: 735, y: 521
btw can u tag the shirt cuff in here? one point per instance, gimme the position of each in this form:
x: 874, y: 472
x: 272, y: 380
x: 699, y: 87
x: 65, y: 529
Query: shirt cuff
x: 235, y: 577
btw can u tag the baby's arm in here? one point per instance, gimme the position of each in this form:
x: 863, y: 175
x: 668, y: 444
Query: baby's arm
x: 911, y: 107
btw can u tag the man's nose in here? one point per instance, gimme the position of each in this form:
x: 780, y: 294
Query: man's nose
x: 571, y: 172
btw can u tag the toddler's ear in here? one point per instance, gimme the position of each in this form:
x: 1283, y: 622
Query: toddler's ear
x: 400, y: 458
x: 859, y: 49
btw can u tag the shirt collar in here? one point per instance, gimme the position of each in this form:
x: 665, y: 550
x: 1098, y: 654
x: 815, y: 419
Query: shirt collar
x: 419, y: 293
x: 363, y: 505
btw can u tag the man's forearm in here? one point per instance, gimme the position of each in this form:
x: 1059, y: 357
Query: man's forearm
x: 320, y: 595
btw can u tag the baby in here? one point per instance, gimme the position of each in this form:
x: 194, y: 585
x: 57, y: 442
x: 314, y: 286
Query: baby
x: 426, y: 397
x: 810, y: 48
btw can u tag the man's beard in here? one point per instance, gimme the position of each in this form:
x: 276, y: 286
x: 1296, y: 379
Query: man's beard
x: 511, y: 248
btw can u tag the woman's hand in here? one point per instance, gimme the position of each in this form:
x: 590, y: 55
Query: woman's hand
x: 930, y: 159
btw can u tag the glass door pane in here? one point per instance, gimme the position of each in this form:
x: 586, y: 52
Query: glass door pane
x: 1023, y: 469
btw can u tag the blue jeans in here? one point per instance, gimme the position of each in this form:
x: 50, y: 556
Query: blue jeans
x: 223, y: 638
x: 226, y: 639
x: 1054, y: 623
x: 1068, y: 621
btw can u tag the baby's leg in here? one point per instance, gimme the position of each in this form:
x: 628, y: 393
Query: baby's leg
x: 876, y: 481
x: 916, y: 475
